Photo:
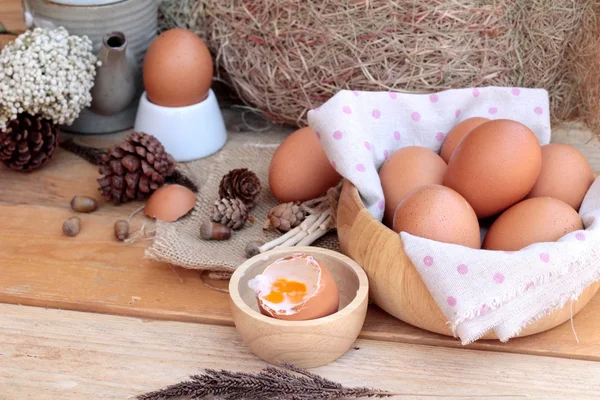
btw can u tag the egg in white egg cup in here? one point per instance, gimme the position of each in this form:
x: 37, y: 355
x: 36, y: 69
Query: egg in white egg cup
x: 187, y: 133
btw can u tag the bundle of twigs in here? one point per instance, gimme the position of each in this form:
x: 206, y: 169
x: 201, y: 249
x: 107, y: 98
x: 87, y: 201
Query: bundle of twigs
x: 319, y: 218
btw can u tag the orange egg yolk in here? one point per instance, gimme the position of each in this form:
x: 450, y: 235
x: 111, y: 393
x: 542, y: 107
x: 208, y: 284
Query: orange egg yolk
x: 282, y: 288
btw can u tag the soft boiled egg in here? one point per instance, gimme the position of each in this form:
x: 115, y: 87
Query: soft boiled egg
x: 296, y: 288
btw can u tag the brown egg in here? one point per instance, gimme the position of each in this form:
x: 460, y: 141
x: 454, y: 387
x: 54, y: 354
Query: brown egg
x: 495, y: 166
x: 296, y: 288
x: 178, y: 69
x: 457, y: 133
x: 299, y: 169
x: 438, y: 213
x: 565, y: 175
x: 169, y: 203
x: 536, y: 220
x: 405, y: 170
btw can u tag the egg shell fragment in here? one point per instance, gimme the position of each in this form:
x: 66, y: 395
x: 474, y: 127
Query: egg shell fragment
x: 405, y: 170
x: 170, y: 202
x: 438, y: 213
x: 299, y: 169
x: 322, y: 294
x: 495, y: 166
x: 565, y: 175
x: 535, y: 220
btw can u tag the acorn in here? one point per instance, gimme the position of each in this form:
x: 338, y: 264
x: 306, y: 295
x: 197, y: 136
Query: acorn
x: 84, y: 204
x: 72, y: 226
x: 253, y: 248
x: 121, y: 230
x: 214, y: 231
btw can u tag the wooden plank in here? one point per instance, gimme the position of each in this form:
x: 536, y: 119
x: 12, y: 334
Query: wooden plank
x: 50, y: 354
x: 93, y: 272
x: 11, y: 14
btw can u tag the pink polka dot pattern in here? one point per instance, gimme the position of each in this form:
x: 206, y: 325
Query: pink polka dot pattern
x: 571, y: 267
x: 516, y: 91
x: 580, y: 236
x: 318, y: 135
x: 415, y: 116
x: 333, y: 164
x: 440, y: 136
x: 493, y: 110
x: 355, y: 92
x: 347, y: 110
x: 545, y: 257
x: 484, y: 308
x: 376, y: 114
x: 337, y: 135
x: 434, y: 98
x: 367, y: 146
x: 498, y: 278
x: 381, y: 204
x: 361, y: 167
x: 397, y: 135
x: 386, y: 154
x: 462, y: 269
x: 475, y: 92
x: 392, y: 95
x: 428, y: 261
x: 538, y: 110
x: 457, y: 113
x: 451, y: 300
x: 528, y: 286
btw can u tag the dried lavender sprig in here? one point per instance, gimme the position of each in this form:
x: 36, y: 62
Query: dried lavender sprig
x: 270, y: 383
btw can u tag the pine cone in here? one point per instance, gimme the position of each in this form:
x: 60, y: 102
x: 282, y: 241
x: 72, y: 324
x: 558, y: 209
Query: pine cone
x: 240, y: 184
x: 285, y: 216
x: 135, y: 168
x: 230, y: 212
x: 28, y: 142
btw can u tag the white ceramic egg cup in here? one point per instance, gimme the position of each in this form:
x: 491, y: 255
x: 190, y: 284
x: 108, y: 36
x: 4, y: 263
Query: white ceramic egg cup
x: 187, y: 133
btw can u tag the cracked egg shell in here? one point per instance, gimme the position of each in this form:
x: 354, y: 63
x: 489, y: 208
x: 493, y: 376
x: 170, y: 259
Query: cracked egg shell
x: 169, y: 203
x: 296, y: 288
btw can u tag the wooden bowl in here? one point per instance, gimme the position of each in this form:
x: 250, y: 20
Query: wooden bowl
x: 395, y: 284
x: 306, y: 344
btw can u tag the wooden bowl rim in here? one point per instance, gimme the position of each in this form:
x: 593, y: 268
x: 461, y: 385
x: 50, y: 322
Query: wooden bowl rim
x: 361, y: 294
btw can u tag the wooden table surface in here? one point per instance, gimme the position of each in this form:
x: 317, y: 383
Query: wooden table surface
x: 146, y: 324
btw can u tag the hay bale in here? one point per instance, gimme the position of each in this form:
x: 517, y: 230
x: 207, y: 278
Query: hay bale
x: 287, y: 57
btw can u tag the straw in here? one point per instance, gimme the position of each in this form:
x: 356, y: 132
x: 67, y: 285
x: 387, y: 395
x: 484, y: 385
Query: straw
x: 286, y: 57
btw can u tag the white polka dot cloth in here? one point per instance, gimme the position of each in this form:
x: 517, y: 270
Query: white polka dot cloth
x: 477, y: 290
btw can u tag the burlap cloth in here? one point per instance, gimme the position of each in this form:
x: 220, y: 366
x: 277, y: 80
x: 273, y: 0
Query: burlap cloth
x: 179, y: 243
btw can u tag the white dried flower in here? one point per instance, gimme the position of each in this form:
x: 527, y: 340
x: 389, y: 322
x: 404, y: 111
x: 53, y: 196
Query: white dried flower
x: 46, y: 72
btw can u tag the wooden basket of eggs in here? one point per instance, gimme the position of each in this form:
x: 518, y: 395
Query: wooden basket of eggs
x: 422, y: 190
x: 456, y: 197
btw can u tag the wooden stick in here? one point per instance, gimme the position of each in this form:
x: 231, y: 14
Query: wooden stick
x: 311, y: 238
x: 319, y: 221
x: 295, y: 240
